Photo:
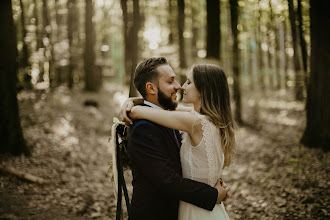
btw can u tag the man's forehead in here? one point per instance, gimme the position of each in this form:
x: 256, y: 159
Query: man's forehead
x: 165, y: 71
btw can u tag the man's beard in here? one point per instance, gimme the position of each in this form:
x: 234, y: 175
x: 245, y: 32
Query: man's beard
x: 166, y: 101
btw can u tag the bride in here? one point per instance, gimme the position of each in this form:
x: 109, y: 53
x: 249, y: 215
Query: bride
x: 208, y: 143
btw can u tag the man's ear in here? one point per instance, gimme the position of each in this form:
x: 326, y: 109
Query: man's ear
x: 151, y: 88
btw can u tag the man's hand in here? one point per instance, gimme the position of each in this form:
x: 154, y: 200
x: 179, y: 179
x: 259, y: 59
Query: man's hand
x: 223, y: 193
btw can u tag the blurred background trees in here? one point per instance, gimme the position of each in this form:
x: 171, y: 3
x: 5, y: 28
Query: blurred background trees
x: 263, y: 45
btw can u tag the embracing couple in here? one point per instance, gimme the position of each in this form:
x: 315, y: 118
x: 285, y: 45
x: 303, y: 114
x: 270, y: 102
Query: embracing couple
x: 178, y: 176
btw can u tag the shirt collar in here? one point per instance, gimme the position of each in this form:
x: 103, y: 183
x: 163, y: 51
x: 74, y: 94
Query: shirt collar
x: 151, y: 104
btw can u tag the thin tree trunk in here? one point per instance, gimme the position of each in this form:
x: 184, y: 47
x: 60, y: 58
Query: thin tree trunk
x: 261, y: 62
x: 24, y: 61
x: 297, y: 65
x: 286, y: 56
x: 25, y: 57
x: 236, y: 61
x: 70, y: 20
x: 317, y: 132
x: 275, y: 29
x: 302, y: 42
x: 36, y: 17
x: 127, y: 59
x: 58, y: 21
x: 194, y: 26
x: 182, y: 57
x: 170, y: 22
x: 92, y: 74
x: 213, y: 29
x: 11, y: 135
x: 134, y: 45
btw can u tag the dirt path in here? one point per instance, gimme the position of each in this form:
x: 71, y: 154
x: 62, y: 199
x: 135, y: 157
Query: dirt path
x: 273, y: 177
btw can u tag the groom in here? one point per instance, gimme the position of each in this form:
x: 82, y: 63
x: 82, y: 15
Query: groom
x: 154, y: 151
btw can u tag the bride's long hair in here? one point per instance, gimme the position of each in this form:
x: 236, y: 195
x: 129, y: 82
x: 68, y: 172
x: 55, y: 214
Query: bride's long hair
x: 211, y: 82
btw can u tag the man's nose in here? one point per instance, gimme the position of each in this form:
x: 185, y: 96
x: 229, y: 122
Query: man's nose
x: 177, y: 85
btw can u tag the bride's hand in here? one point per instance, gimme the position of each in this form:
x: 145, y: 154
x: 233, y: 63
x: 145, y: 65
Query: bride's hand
x: 127, y: 107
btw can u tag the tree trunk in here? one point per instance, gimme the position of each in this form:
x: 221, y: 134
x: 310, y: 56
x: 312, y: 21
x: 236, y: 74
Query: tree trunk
x: 261, y: 62
x: 317, y: 132
x: 194, y: 30
x: 134, y: 45
x: 70, y: 20
x: 297, y: 65
x: 236, y: 61
x: 25, y: 56
x: 302, y: 42
x: 276, y: 68
x: 270, y: 47
x: 123, y: 4
x: 24, y: 61
x: 47, y: 44
x: 213, y: 29
x: 170, y: 22
x: 92, y: 74
x: 36, y: 17
x: 58, y: 21
x: 11, y: 135
x: 286, y: 56
x: 182, y: 57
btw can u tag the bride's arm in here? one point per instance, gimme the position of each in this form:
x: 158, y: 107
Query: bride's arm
x: 178, y: 120
x: 184, y: 108
x: 127, y: 106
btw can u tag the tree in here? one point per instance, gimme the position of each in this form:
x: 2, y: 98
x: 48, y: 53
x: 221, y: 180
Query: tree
x: 92, y: 75
x: 134, y: 44
x: 12, y: 140
x: 170, y: 22
x: 302, y: 41
x: 24, y: 60
x: 297, y: 63
x: 317, y: 131
x: 70, y: 20
x: 36, y: 17
x: 259, y: 38
x: 182, y: 57
x: 213, y: 29
x: 131, y: 29
x: 236, y: 61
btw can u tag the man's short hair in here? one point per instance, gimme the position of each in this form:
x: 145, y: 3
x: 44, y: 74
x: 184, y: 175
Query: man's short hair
x: 146, y: 72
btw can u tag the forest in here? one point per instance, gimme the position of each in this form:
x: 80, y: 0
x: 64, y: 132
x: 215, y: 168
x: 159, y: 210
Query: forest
x: 66, y: 67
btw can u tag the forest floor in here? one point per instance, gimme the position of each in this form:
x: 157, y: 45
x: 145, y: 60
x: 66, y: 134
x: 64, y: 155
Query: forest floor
x: 273, y: 176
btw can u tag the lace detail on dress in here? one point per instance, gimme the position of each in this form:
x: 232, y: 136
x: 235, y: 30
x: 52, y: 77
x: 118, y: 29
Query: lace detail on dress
x: 207, y: 137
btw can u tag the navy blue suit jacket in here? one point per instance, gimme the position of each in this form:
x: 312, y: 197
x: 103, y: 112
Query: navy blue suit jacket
x: 158, y: 184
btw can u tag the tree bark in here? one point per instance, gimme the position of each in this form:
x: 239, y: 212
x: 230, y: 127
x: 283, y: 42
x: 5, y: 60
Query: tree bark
x: 134, y: 45
x: 299, y: 88
x: 36, y: 17
x: 213, y: 29
x: 70, y: 20
x: 24, y: 59
x: 236, y: 61
x: 317, y: 132
x: 11, y: 135
x: 302, y: 42
x: 261, y: 62
x: 181, y: 23
x: 92, y: 74
x: 123, y: 4
x: 170, y: 22
x: 25, y: 56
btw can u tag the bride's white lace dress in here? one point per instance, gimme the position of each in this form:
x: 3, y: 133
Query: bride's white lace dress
x: 202, y: 163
